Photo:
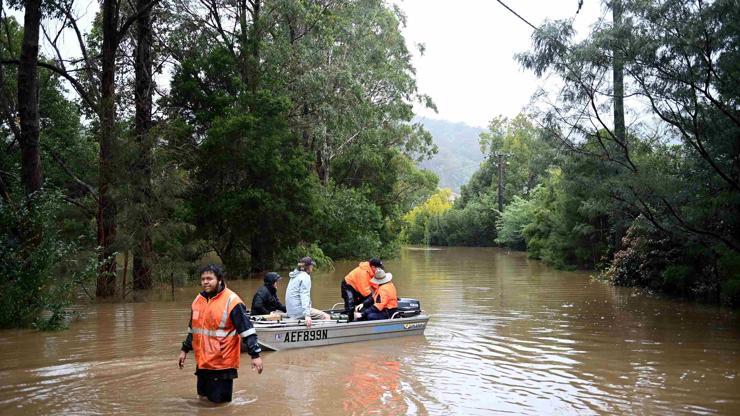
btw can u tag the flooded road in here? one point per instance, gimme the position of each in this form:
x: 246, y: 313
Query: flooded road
x: 507, y: 335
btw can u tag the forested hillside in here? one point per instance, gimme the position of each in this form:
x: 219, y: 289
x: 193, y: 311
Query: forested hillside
x: 458, y: 152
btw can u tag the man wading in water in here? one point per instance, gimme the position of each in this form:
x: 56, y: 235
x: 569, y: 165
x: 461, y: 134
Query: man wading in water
x: 218, y: 321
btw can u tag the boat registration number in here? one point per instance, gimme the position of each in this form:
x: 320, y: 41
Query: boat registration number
x: 300, y: 336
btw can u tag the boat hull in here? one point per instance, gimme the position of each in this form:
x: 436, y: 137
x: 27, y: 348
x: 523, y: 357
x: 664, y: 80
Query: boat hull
x: 279, y: 336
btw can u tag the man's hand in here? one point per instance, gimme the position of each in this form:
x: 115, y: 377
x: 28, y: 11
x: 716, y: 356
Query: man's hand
x: 358, y: 315
x: 309, y: 322
x: 257, y: 365
x: 181, y: 359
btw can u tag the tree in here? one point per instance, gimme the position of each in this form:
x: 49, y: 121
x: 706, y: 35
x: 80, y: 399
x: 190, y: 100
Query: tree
x: 143, y: 250
x: 28, y: 104
x: 417, y: 221
x: 678, y: 172
x: 677, y: 79
x: 252, y: 196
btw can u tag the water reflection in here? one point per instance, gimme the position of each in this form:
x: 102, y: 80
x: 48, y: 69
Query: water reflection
x: 373, y: 387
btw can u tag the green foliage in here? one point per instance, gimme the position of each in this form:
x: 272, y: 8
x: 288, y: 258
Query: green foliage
x: 728, y: 268
x: 33, y: 291
x: 672, y: 182
x: 251, y: 192
x: 526, y: 157
x: 348, y: 224
x: 651, y: 258
x: 510, y: 226
x: 289, y: 257
x: 416, y: 221
x: 473, y: 225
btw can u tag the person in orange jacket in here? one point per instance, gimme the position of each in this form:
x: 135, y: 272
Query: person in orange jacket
x: 382, y: 304
x: 218, y: 322
x: 356, y: 286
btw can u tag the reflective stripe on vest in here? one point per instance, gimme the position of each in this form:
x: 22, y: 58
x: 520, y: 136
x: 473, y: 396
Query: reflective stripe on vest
x: 215, y: 339
x: 220, y: 332
x: 225, y: 315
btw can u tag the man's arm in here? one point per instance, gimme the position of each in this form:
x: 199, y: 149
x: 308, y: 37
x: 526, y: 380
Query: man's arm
x: 187, y: 345
x: 258, y: 304
x: 306, y: 296
x: 244, y: 328
x: 279, y: 305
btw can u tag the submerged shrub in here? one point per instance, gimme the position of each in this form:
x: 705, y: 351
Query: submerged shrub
x: 33, y: 289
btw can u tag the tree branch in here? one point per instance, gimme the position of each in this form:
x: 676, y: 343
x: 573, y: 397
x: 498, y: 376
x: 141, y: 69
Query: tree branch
x: 66, y: 169
x: 131, y: 19
x: 77, y: 85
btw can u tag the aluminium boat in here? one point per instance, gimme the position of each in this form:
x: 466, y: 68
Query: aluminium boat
x: 282, y: 334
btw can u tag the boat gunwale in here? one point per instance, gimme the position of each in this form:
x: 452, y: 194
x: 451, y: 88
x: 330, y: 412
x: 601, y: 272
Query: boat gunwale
x: 274, y: 326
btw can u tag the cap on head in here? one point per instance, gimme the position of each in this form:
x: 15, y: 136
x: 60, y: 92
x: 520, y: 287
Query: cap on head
x: 375, y: 262
x: 271, y: 277
x: 217, y: 270
x: 305, y: 262
x: 381, y: 278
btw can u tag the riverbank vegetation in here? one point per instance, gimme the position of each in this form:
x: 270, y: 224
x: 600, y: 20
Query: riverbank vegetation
x: 172, y: 129
x: 651, y: 203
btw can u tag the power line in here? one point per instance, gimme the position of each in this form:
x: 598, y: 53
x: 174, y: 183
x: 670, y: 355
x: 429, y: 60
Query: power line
x: 517, y: 14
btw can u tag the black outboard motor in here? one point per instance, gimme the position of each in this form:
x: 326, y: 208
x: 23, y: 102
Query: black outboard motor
x: 408, y: 307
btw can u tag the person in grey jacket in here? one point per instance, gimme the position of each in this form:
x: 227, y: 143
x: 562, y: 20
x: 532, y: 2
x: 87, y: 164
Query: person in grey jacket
x: 298, y: 293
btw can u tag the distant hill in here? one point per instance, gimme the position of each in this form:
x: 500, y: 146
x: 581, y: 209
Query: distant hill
x: 459, y: 153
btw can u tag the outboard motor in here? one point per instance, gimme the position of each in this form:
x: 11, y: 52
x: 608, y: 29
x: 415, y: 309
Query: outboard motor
x: 408, y: 307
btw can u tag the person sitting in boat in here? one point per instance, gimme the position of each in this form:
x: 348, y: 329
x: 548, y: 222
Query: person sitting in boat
x: 298, y: 294
x: 356, y: 286
x: 382, y: 304
x: 266, y: 300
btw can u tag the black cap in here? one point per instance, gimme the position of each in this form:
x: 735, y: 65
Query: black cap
x: 376, y: 262
x: 271, y: 278
x: 306, y: 261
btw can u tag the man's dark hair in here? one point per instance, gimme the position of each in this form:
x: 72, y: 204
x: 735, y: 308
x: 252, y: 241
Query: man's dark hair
x: 217, y: 271
x: 375, y: 262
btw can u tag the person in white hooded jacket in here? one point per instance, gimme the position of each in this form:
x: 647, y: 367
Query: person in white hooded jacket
x: 298, y: 293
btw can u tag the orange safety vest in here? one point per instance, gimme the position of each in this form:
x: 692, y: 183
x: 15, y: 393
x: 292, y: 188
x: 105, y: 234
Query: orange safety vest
x: 386, y: 297
x: 215, y: 341
x: 359, y: 278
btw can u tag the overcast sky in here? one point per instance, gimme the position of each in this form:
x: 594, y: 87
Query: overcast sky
x: 468, y: 67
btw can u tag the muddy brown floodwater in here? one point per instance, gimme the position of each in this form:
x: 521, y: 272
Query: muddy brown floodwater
x: 507, y: 335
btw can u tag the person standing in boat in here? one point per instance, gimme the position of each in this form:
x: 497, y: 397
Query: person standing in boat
x: 356, y: 287
x: 266, y: 300
x: 218, y: 321
x: 382, y: 304
x: 298, y: 293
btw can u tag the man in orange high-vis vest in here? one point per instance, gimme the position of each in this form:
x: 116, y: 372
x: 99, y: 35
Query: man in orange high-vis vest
x: 382, y: 304
x: 356, y: 286
x: 218, y: 322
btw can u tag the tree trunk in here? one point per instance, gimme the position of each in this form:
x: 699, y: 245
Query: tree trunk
x: 618, y: 75
x: 106, y: 205
x: 322, y: 166
x: 28, y: 98
x: 619, y: 126
x: 254, y: 47
x: 142, y: 172
x: 500, y: 158
x: 261, y: 254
